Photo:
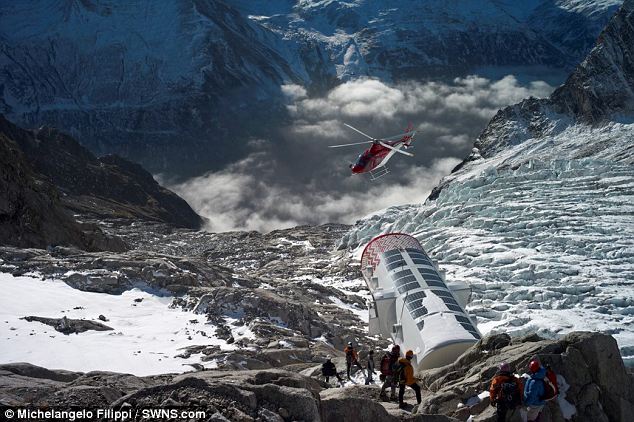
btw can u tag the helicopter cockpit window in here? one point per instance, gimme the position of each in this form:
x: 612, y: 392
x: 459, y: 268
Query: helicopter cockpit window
x: 362, y: 160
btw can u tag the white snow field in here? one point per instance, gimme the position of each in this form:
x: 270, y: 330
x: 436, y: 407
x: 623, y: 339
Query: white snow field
x: 547, y: 244
x: 146, y: 338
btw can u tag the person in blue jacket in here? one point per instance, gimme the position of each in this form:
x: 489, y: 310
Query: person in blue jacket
x: 534, y: 390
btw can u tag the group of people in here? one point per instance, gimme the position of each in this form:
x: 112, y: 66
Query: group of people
x: 394, y: 371
x: 509, y: 392
x: 527, y: 394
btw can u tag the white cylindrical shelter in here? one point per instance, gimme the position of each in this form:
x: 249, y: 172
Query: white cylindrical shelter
x: 412, y: 304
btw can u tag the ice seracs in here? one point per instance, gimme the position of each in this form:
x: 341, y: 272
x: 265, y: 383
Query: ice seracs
x: 539, y: 220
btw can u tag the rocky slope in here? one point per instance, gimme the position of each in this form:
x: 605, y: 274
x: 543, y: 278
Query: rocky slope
x: 244, y: 298
x: 595, y: 387
x: 599, y: 91
x: 108, y: 186
x: 166, y: 86
x: 31, y: 211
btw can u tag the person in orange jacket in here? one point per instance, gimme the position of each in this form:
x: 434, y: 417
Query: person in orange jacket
x: 505, y: 392
x: 405, y: 376
x: 351, y: 358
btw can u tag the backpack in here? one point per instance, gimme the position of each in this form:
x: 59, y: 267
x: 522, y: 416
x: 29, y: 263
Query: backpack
x: 509, y: 394
x: 385, y: 365
x: 551, y: 389
x: 399, y: 373
x: 349, y: 353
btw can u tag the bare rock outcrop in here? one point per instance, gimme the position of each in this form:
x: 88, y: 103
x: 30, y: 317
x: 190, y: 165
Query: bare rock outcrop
x: 31, y: 209
x: 68, y: 325
x: 108, y: 186
x: 595, y: 381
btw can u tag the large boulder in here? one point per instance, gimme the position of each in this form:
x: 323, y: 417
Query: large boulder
x: 359, y: 403
x: 594, y: 383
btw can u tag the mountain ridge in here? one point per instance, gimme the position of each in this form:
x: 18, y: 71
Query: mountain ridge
x: 48, y: 167
x: 174, y: 87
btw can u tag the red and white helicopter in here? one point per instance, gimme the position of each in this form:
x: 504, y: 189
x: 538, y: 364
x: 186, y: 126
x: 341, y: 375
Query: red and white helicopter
x: 373, y: 159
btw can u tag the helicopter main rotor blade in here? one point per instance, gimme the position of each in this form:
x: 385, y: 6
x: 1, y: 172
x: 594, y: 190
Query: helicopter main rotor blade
x: 349, y: 145
x: 389, y: 138
x: 358, y: 131
x: 409, y: 154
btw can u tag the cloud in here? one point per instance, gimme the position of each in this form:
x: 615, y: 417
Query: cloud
x: 235, y: 200
x: 294, y: 178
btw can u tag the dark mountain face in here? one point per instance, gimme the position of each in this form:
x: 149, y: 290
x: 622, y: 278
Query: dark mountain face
x: 31, y: 211
x: 180, y: 87
x: 599, y: 90
x: 603, y: 85
x: 109, y: 186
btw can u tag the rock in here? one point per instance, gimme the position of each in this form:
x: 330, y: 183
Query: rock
x: 584, y: 360
x: 217, y: 417
x: 285, y: 414
x: 360, y: 403
x: 31, y: 209
x: 107, y: 186
x: 598, y: 386
x: 102, y: 318
x: 31, y: 371
x: 495, y: 342
x: 67, y: 326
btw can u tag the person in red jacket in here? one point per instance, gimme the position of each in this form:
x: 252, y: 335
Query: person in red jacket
x: 505, y: 392
x: 389, y: 362
x: 351, y: 358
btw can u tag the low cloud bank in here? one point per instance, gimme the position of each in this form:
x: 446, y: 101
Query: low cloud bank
x: 295, y: 179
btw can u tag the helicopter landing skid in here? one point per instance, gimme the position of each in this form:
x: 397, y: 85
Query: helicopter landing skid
x: 377, y: 174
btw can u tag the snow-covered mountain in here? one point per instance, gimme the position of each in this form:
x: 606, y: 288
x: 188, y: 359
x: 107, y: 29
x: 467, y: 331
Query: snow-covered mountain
x: 539, y: 217
x: 173, y: 84
x: 149, y: 80
x: 399, y: 39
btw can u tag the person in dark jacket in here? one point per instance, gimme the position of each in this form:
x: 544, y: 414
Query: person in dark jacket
x: 328, y: 369
x: 534, y: 390
x: 370, y: 367
x: 505, y: 392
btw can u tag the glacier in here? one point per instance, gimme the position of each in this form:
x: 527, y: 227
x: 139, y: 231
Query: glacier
x: 546, y: 240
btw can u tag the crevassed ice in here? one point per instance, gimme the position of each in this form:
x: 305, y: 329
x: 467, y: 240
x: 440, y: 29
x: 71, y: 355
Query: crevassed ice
x: 548, y: 247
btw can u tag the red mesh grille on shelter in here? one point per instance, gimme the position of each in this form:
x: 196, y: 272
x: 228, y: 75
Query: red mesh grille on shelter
x: 386, y: 242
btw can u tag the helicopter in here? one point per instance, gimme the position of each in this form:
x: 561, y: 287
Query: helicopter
x: 374, y: 159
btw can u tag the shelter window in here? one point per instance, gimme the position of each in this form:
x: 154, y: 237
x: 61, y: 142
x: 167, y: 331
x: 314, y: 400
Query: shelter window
x: 408, y: 286
x: 395, y: 265
x: 454, y: 308
x: 402, y: 273
x: 461, y: 318
x: 393, y: 257
x: 419, y: 312
x: 434, y: 283
x: 442, y: 293
x: 405, y: 280
x: 415, y: 251
x: 391, y: 253
x: 427, y: 271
